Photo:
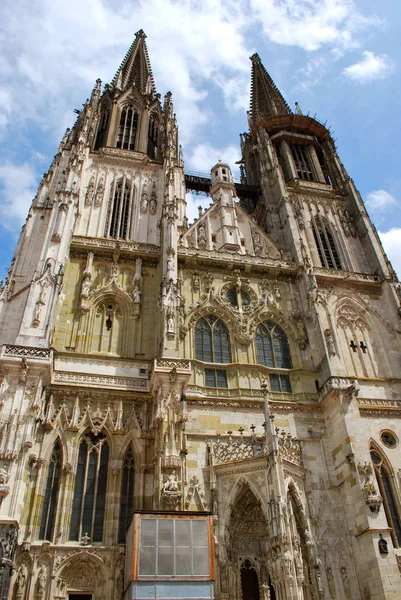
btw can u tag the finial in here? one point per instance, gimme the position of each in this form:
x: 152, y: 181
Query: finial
x: 298, y: 109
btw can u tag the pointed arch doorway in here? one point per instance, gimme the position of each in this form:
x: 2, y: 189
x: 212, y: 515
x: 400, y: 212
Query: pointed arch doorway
x: 249, y: 582
x: 248, y: 578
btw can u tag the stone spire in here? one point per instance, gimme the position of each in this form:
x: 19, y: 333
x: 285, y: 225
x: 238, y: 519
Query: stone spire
x: 135, y: 68
x: 266, y: 99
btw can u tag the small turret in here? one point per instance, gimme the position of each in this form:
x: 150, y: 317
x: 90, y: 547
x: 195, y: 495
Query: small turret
x: 221, y: 173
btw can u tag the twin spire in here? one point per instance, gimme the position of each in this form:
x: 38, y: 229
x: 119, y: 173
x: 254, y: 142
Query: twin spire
x: 266, y: 99
x: 135, y: 68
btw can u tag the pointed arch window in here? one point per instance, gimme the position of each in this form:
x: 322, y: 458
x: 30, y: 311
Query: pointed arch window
x: 273, y: 351
x: 388, y: 493
x: 325, y: 244
x: 102, y: 130
x: 119, y: 212
x: 212, y: 344
x: 51, y: 492
x: 212, y: 340
x: 127, y: 129
x: 89, y: 499
x: 153, y: 137
x: 127, y: 494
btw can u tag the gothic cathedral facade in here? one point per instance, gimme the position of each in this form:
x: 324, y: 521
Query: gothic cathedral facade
x: 206, y: 410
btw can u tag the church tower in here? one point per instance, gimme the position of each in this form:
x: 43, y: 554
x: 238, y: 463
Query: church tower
x: 206, y: 410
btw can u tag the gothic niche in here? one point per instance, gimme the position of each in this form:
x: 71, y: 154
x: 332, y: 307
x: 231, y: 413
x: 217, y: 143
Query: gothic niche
x: 244, y: 576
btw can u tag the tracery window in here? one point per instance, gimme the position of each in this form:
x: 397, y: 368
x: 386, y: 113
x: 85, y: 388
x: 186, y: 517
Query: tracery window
x: 127, y: 494
x: 385, y: 482
x: 273, y: 351
x: 127, y: 129
x: 119, y: 210
x: 102, y: 130
x: 89, y: 500
x: 212, y: 344
x: 212, y: 340
x: 51, y: 492
x: 325, y: 244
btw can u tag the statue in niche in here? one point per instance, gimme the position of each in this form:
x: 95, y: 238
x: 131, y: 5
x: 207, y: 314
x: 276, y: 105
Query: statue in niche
x: 331, y: 583
x: 99, y: 193
x: 170, y: 323
x: 330, y: 342
x: 40, y: 594
x: 90, y: 192
x: 195, y: 282
x: 136, y: 296
x: 4, y: 476
x: 347, y: 588
x: 86, y: 286
x: 201, y: 236
x: 20, y: 583
x: 383, y: 548
x: 171, y: 484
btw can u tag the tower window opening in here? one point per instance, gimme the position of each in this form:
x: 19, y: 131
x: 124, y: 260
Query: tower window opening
x: 120, y: 210
x: 127, y: 129
x: 326, y: 247
x: 387, y: 490
x: 302, y: 163
x: 89, y: 501
x: 50, y: 500
x: 153, y: 137
x: 323, y: 166
x: 109, y: 323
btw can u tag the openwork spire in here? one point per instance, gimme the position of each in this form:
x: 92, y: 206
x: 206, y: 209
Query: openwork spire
x: 135, y: 68
x: 266, y: 99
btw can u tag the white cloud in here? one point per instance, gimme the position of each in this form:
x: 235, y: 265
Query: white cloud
x: 205, y: 156
x: 312, y: 24
x: 18, y: 185
x: 379, y: 202
x: 372, y: 66
x: 392, y: 245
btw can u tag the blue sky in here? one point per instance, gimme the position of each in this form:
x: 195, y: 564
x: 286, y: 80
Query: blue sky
x: 339, y: 59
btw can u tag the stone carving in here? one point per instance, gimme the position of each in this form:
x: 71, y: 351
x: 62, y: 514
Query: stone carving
x: 331, y: 348
x: 90, y: 192
x: 144, y: 198
x: 171, y: 496
x: 41, y: 584
x: 348, y: 223
x: 195, y: 282
x: 229, y: 449
x: 20, y: 583
x: 346, y: 585
x: 201, y: 236
x: 195, y: 490
x: 257, y: 242
x: 153, y: 200
x: 383, y: 547
x: 372, y: 498
x: 331, y: 583
x: 99, y: 193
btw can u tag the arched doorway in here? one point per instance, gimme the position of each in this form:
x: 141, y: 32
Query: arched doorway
x: 247, y: 547
x: 249, y: 582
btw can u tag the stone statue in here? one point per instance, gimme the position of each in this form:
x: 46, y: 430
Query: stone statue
x: 20, y: 583
x: 347, y: 588
x: 136, y: 296
x: 330, y: 342
x: 331, y: 583
x: 171, y: 484
x: 170, y: 323
x: 4, y: 476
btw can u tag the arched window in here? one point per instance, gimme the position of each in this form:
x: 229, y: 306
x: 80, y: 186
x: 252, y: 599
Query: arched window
x: 384, y: 481
x: 273, y: 351
x: 212, y: 344
x: 127, y: 129
x: 119, y: 211
x: 89, y: 500
x: 153, y: 137
x: 127, y: 494
x: 50, y: 501
x: 325, y: 244
x: 102, y: 130
x: 212, y: 341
